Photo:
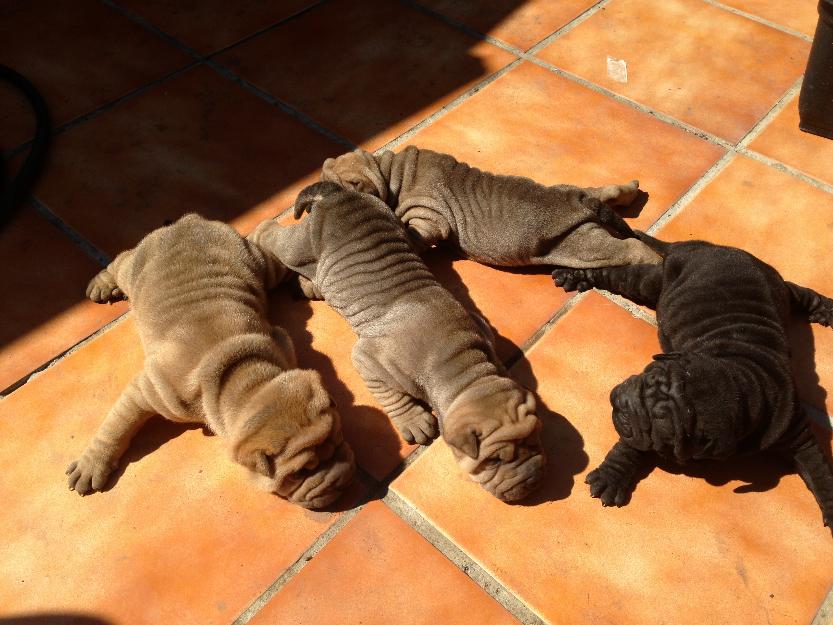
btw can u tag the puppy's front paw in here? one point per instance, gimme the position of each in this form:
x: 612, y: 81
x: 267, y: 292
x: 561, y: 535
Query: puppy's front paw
x: 417, y: 426
x: 610, y: 486
x: 309, y: 289
x: 89, y: 473
x: 823, y: 315
x: 572, y: 279
x: 103, y: 288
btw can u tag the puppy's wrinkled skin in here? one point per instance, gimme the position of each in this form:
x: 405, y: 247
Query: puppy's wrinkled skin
x: 196, y: 289
x: 417, y: 347
x: 498, y: 220
x: 724, y: 384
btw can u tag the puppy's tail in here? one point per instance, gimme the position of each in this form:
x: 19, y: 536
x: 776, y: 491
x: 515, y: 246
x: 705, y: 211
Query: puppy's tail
x: 314, y: 193
x: 608, y: 217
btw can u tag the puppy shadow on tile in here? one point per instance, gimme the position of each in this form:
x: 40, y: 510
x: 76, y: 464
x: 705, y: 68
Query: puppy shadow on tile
x: 365, y: 427
x: 563, y: 443
x: 758, y: 472
x: 634, y: 209
x: 153, y: 435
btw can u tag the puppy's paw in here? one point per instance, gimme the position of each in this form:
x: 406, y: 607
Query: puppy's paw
x: 103, y: 288
x: 572, y: 279
x: 89, y: 473
x: 309, y: 289
x: 823, y: 315
x: 417, y: 425
x: 610, y: 486
x: 626, y: 194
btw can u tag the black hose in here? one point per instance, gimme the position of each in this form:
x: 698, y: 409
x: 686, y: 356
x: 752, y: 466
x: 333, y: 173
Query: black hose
x: 13, y: 192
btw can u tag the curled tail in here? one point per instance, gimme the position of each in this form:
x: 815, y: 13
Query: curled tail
x: 312, y: 194
x: 817, y: 307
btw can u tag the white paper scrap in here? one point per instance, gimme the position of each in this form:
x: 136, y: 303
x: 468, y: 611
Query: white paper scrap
x: 617, y: 69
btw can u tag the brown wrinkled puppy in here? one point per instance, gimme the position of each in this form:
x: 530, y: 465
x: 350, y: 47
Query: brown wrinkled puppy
x: 417, y: 346
x: 498, y: 220
x: 196, y: 289
x: 724, y: 385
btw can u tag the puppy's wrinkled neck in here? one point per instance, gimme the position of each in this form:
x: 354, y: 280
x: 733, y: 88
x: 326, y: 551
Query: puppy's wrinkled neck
x: 229, y: 375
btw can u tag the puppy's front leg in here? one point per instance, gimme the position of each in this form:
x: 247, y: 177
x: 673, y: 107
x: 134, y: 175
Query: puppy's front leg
x: 642, y: 284
x: 110, y: 284
x: 613, y: 480
x: 90, y: 472
x: 817, y: 307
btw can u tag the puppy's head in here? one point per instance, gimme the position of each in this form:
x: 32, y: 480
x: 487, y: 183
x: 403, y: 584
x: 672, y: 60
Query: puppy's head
x: 655, y: 410
x: 357, y: 170
x: 291, y: 440
x: 494, y: 434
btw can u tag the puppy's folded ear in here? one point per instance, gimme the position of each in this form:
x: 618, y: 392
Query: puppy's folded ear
x: 257, y: 461
x: 312, y: 194
x: 464, y: 438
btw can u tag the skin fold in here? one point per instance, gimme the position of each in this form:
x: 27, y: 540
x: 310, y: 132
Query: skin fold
x: 724, y: 385
x: 418, y: 349
x: 197, y: 295
x: 493, y: 219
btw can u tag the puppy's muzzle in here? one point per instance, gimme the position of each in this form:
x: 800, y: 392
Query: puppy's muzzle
x: 324, y: 473
x: 516, y: 478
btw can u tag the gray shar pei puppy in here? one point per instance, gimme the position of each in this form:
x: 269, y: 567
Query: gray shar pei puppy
x: 724, y: 384
x: 417, y: 346
x: 498, y: 220
x: 196, y: 289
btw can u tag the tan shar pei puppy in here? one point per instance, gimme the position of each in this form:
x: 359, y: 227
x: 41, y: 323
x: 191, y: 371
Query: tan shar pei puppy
x: 196, y: 289
x: 417, y: 346
x: 498, y: 220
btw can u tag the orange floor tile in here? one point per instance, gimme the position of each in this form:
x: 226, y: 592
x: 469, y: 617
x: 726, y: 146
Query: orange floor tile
x: 686, y: 58
x: 359, y: 577
x: 230, y: 109
x: 687, y: 537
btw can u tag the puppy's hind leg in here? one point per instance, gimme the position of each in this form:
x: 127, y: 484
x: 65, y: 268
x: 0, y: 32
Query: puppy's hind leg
x: 817, y: 307
x: 642, y: 284
x: 613, y: 481
x: 110, y: 284
x: 814, y: 469
x: 91, y: 471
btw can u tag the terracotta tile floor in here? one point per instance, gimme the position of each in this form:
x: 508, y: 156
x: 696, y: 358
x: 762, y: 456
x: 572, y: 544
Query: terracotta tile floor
x: 229, y: 109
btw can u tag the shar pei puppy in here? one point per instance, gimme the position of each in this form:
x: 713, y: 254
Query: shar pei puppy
x: 197, y: 292
x: 498, y: 220
x: 417, y: 346
x: 723, y: 385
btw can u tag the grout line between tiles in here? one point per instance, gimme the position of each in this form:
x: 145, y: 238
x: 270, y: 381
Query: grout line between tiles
x: 540, y: 332
x: 56, y: 359
x: 229, y: 74
x: 824, y: 616
x: 787, y: 169
x: 279, y: 104
x: 589, y: 12
x: 323, y: 539
x: 629, y: 306
x: 692, y: 191
x: 476, y: 572
x: 393, y: 143
x: 761, y: 20
x: 762, y: 123
x: 508, y: 47
x: 263, y: 31
x: 76, y: 237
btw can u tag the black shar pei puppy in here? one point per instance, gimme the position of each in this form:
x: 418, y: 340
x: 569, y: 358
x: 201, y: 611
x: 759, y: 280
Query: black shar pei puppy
x: 724, y: 384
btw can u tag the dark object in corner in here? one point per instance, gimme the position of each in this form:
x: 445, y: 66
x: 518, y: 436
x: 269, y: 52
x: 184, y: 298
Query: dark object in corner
x: 815, y: 104
x: 12, y: 192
